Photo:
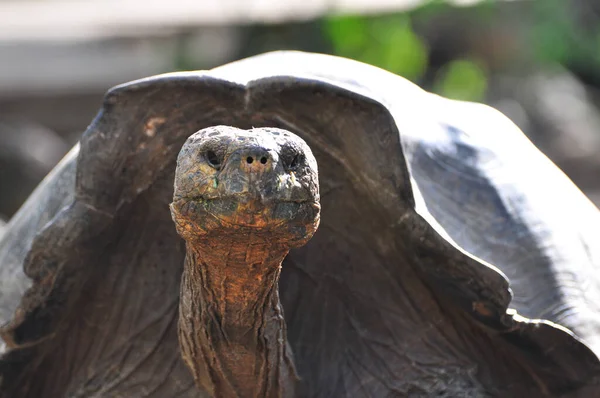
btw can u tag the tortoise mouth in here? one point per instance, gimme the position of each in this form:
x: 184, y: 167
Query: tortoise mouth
x: 246, y: 198
x: 243, y: 210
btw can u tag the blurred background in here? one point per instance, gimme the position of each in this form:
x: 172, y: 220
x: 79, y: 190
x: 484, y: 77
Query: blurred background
x: 538, y: 61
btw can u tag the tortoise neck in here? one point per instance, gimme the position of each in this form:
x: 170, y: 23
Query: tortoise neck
x: 231, y: 327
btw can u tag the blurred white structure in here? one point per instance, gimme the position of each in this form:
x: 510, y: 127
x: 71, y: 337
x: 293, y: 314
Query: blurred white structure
x: 71, y: 46
x: 64, y: 19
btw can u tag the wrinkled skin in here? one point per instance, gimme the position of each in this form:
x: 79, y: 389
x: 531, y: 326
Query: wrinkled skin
x: 242, y: 199
x: 261, y: 181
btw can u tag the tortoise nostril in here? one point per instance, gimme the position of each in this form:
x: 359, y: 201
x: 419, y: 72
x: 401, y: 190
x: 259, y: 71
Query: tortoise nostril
x: 255, y: 157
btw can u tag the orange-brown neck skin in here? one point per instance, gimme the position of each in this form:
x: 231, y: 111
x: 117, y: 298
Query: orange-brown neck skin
x: 231, y: 326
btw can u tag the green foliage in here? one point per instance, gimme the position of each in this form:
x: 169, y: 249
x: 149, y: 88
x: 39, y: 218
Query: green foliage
x: 549, y: 32
x: 462, y: 80
x: 387, y: 42
x: 391, y: 43
x: 348, y: 34
x: 557, y: 36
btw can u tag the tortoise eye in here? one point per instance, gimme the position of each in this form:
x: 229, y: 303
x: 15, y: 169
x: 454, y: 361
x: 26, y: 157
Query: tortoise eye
x: 296, y: 160
x: 213, y: 160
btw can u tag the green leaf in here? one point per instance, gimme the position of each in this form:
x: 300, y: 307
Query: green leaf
x: 348, y: 34
x: 462, y: 80
x: 388, y: 42
x: 402, y: 51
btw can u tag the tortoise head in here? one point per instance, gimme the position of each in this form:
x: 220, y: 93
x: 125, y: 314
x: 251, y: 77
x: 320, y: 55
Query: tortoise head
x: 260, y: 181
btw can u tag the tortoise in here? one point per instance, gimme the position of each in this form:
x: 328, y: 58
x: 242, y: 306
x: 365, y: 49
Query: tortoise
x: 153, y: 260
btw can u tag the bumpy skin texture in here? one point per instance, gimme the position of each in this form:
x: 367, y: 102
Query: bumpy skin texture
x: 242, y: 199
x: 385, y: 300
x: 261, y: 181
